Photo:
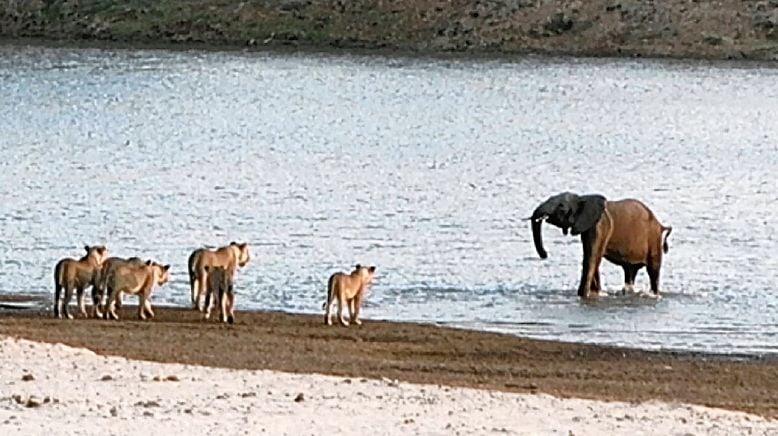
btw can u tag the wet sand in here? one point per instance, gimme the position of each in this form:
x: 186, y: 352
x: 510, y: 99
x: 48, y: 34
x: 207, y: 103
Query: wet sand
x: 416, y: 353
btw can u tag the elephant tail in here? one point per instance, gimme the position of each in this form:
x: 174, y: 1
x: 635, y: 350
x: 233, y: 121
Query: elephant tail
x: 668, y: 229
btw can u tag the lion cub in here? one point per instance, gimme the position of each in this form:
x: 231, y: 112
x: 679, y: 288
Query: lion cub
x: 348, y: 289
x: 78, y: 274
x: 137, y: 280
x: 220, y: 287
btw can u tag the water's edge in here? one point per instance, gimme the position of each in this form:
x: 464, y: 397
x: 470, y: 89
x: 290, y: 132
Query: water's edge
x: 11, y: 304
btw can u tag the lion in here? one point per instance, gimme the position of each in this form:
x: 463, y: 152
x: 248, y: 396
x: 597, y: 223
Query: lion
x: 229, y: 257
x: 70, y: 274
x: 220, y: 283
x: 99, y: 294
x: 136, y: 280
x: 348, y: 289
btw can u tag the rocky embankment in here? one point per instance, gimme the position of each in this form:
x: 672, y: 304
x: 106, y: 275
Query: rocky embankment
x: 725, y: 29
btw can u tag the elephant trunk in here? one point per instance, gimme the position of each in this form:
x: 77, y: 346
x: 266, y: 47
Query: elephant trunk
x: 537, y: 236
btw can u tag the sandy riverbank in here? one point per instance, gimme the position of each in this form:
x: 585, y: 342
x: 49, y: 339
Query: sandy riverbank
x: 416, y: 354
x: 728, y: 29
x: 55, y: 389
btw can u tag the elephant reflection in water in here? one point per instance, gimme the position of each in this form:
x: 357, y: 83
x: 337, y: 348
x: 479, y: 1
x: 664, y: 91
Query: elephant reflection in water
x: 625, y: 232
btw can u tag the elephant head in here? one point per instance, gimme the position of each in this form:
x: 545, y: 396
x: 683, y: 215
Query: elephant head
x: 568, y: 211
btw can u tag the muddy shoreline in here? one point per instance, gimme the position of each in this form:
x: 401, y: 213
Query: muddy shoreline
x: 417, y: 353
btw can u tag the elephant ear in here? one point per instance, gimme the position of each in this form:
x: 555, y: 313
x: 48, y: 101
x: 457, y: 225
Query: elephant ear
x: 590, y: 209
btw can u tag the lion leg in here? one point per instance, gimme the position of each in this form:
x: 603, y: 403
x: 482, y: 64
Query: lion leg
x: 81, y: 296
x: 223, y: 306
x: 142, y: 301
x: 357, y: 302
x: 195, y: 285
x: 342, y: 302
x: 116, y: 303
x: 328, y: 311
x: 149, y: 312
x: 208, y: 304
x: 66, y: 301
x: 193, y: 289
x: 202, y: 289
x: 350, y: 309
x: 96, y: 298
x: 231, y: 314
x: 110, y: 309
x: 57, y: 300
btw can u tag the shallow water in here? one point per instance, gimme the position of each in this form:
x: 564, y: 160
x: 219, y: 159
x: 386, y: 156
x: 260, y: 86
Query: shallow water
x: 423, y: 167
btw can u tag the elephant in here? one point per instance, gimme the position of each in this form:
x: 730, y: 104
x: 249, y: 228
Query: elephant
x: 626, y: 232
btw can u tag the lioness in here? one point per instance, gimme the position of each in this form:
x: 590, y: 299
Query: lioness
x: 220, y: 283
x: 75, y: 274
x: 229, y: 257
x: 348, y: 289
x: 99, y: 295
x: 137, y: 280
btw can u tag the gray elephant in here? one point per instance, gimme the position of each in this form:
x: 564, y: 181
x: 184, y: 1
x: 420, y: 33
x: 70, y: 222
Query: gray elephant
x: 625, y: 232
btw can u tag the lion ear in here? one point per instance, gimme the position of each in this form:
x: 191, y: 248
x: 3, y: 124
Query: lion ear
x: 86, y: 247
x: 233, y: 243
x: 166, y: 267
x: 148, y: 262
x: 372, y: 268
x: 358, y: 266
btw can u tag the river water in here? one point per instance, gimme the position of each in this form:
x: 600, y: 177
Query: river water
x: 423, y: 167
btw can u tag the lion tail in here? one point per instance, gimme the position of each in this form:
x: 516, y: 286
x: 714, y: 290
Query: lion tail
x: 330, y: 288
x: 58, y: 283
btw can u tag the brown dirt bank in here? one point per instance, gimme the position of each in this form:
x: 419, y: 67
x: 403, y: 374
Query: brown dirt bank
x: 722, y: 29
x: 416, y: 353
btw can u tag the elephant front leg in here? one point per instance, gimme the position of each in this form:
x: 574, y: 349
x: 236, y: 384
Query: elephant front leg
x: 596, y: 284
x: 594, y: 249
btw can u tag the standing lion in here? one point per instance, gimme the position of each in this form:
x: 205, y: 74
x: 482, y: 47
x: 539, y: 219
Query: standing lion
x: 135, y: 279
x: 348, y: 289
x: 71, y: 274
x: 229, y: 257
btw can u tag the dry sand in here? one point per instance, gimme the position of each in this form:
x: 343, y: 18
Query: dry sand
x: 81, y: 392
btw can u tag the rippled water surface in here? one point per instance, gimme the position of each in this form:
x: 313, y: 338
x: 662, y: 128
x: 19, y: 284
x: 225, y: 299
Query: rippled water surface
x: 423, y: 167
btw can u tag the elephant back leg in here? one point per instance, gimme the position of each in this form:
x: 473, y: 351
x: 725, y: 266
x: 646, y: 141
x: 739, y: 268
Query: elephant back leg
x: 630, y: 273
x: 654, y: 267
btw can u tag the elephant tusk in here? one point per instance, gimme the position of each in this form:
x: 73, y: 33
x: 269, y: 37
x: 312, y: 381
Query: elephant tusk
x: 542, y: 218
